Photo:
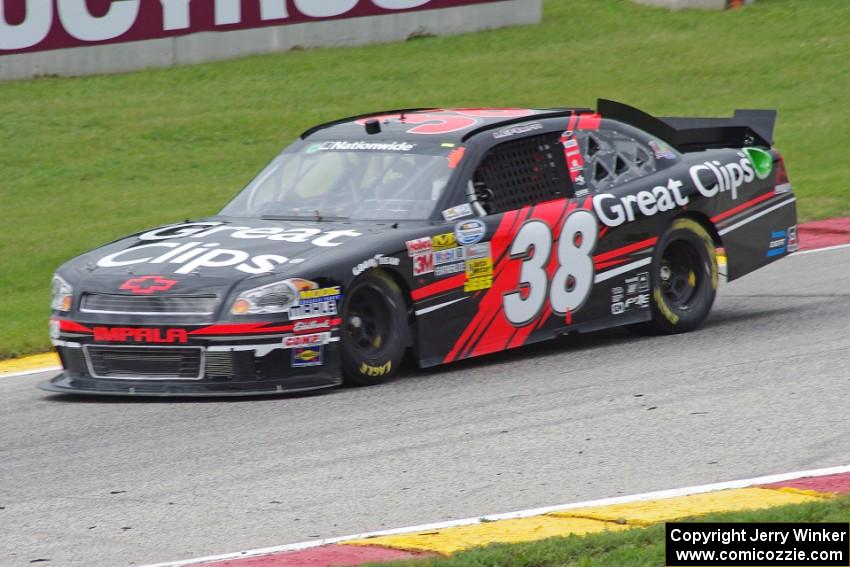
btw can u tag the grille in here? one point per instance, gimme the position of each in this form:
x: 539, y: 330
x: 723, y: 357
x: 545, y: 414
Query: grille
x: 139, y: 305
x: 72, y: 359
x: 151, y: 363
x: 219, y: 364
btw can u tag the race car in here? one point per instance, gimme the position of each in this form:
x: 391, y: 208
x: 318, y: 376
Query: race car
x: 438, y: 234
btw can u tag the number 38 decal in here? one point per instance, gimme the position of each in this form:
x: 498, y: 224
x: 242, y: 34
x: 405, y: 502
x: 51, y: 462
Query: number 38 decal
x: 573, y: 280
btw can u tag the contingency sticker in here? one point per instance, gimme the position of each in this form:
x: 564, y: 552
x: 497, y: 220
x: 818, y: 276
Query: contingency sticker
x: 479, y: 274
x: 307, y: 356
x: 470, y: 232
x: 460, y: 211
x: 634, y: 294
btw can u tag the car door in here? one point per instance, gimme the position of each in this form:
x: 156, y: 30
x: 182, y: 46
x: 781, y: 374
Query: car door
x: 520, y: 184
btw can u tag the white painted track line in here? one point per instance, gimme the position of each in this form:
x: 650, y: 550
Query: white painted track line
x: 28, y: 372
x: 768, y: 479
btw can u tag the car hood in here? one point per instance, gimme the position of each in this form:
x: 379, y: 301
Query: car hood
x: 216, y: 253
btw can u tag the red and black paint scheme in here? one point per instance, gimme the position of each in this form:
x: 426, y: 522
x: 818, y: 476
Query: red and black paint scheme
x: 539, y: 223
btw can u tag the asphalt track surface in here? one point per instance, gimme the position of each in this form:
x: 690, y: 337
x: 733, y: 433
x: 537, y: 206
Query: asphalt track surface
x: 762, y: 388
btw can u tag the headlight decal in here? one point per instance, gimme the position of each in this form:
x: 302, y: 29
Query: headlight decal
x: 299, y: 297
x: 62, y: 295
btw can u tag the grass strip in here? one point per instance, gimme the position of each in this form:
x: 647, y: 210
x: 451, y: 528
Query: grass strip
x: 636, y: 547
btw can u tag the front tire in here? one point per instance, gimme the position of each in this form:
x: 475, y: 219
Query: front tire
x: 375, y: 330
x: 684, y: 279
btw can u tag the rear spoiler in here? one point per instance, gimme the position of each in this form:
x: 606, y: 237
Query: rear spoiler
x: 745, y: 128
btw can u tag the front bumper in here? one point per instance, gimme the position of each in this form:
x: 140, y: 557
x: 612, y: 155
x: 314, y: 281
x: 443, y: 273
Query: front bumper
x: 237, y: 366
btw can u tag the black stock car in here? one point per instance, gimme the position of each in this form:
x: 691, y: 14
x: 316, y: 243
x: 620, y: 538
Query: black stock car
x: 448, y: 233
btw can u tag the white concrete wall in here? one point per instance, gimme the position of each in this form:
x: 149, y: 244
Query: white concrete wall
x: 213, y: 46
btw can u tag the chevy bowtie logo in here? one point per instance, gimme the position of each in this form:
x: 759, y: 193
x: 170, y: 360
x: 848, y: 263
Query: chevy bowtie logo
x: 148, y: 284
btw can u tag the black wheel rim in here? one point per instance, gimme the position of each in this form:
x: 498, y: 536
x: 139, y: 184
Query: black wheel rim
x: 367, y: 322
x: 680, y: 273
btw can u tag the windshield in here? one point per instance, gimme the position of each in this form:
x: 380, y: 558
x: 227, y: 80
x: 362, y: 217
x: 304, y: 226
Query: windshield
x: 348, y: 180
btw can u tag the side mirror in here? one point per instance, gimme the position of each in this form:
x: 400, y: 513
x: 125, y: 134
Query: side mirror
x: 474, y: 197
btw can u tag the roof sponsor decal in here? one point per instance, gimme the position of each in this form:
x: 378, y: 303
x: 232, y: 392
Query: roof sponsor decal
x: 359, y: 146
x: 518, y: 129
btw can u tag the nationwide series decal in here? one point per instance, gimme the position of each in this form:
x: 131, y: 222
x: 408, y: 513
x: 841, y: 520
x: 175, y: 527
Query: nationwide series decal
x: 148, y: 284
x: 470, y: 232
x: 360, y: 146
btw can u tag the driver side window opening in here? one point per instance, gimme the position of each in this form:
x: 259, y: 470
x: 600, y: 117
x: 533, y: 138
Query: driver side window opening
x: 522, y: 172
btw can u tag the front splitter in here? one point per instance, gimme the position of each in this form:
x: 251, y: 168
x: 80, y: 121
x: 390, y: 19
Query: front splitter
x: 65, y: 384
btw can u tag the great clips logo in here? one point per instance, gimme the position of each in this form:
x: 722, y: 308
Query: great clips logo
x: 147, y: 285
x: 709, y: 179
x: 179, y: 247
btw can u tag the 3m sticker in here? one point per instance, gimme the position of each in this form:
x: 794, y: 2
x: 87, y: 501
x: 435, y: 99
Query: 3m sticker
x: 423, y: 264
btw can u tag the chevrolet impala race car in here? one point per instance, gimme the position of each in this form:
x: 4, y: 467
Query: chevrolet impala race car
x: 442, y: 234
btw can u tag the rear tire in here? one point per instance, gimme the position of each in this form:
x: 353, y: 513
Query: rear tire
x: 374, y: 330
x: 684, y: 279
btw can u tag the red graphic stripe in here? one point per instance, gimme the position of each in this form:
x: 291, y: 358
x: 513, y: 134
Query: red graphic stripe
x: 241, y: 329
x: 623, y: 250
x: 487, y: 306
x: 72, y: 327
x: 500, y: 252
x: 522, y: 334
x: 589, y: 121
x: 441, y: 286
x: 501, y: 333
x: 742, y: 206
x: 609, y: 263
